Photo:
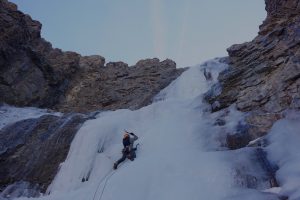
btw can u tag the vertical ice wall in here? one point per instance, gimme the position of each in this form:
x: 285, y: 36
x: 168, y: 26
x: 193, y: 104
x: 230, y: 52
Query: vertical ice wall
x: 175, y: 159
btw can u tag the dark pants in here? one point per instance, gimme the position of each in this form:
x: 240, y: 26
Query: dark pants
x: 130, y: 155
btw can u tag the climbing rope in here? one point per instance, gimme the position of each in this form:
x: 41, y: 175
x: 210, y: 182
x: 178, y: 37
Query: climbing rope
x: 106, y: 178
x: 107, y: 175
x: 105, y: 184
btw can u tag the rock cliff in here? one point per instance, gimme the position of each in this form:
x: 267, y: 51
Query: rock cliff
x: 116, y: 85
x: 31, y: 71
x: 263, y: 77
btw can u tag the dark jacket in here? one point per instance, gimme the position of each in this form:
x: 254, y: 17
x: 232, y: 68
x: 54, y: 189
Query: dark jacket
x: 128, y: 142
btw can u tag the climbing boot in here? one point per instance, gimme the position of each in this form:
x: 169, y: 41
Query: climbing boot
x: 115, y: 166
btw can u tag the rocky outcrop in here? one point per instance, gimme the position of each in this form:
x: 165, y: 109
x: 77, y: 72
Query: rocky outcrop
x: 30, y: 69
x: 32, y: 149
x: 264, y: 74
x: 282, y: 8
x: 32, y: 73
x: 117, y: 86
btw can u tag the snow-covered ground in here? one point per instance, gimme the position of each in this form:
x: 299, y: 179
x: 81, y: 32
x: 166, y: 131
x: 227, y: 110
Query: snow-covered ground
x: 176, y: 159
x: 284, y: 146
x: 11, y: 114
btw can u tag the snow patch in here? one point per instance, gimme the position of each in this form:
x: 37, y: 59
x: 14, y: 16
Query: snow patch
x: 284, y: 139
x: 189, y: 85
x: 10, y: 114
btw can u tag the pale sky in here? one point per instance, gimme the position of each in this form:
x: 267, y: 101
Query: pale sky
x: 186, y: 31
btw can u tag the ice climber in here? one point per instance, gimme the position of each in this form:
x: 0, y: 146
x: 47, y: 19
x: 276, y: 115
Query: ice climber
x: 128, y: 150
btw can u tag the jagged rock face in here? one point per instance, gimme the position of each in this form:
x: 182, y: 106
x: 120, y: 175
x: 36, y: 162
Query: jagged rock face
x: 263, y: 77
x: 282, y: 8
x: 118, y: 86
x: 32, y: 149
x: 30, y: 69
x: 32, y: 73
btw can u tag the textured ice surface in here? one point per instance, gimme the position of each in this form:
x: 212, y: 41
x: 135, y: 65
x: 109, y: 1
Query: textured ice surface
x: 11, y: 114
x: 176, y: 157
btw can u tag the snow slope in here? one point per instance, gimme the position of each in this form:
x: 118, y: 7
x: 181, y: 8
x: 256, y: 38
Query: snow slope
x: 284, y: 145
x: 174, y: 160
x: 11, y: 114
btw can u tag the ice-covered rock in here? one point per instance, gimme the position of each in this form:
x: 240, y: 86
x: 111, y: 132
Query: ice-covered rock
x: 31, y: 149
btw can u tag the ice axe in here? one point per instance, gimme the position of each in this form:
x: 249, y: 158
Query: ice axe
x: 127, y: 131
